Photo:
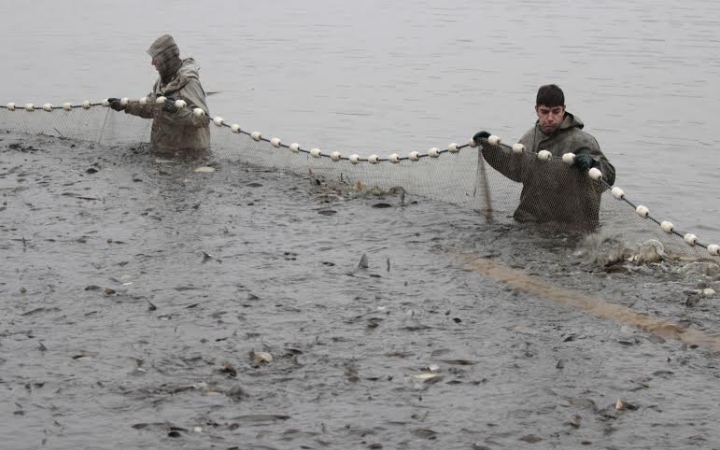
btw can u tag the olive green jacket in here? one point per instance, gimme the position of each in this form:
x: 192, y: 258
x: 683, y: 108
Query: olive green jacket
x: 552, y: 191
x: 180, y: 132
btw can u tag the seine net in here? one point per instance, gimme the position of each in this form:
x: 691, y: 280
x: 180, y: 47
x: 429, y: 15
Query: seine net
x: 547, y: 190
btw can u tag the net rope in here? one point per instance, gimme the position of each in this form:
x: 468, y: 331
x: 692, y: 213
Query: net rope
x: 456, y: 174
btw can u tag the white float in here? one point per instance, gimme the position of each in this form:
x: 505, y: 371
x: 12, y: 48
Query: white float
x: 595, y: 173
x: 691, y: 239
x: 667, y: 227
x: 568, y: 158
x: 494, y: 140
x: 544, y: 155
x: 642, y: 211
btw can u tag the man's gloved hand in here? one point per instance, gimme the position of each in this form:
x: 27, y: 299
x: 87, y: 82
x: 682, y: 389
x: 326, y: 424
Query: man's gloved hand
x: 584, y: 161
x: 480, y: 135
x: 169, y: 105
x: 115, y: 104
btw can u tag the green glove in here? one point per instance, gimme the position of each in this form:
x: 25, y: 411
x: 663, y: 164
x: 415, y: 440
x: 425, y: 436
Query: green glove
x: 169, y: 105
x: 584, y: 162
x: 480, y: 135
x: 115, y: 104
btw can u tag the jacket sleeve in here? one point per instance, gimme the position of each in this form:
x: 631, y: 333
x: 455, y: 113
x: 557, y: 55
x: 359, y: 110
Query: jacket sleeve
x: 506, y: 162
x: 194, y: 95
x: 593, y: 149
x: 145, y: 111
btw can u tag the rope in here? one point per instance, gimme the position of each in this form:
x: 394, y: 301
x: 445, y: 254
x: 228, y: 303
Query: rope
x: 395, y: 158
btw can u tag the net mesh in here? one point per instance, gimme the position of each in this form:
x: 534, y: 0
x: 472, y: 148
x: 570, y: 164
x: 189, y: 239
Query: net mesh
x: 458, y: 175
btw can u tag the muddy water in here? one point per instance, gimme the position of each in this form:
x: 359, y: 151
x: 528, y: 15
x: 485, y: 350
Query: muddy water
x: 135, y: 291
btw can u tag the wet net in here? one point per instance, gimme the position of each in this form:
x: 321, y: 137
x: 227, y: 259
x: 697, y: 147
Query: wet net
x: 456, y: 174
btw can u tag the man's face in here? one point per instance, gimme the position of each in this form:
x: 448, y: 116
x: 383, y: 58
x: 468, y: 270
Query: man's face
x: 550, y: 117
x: 155, y: 65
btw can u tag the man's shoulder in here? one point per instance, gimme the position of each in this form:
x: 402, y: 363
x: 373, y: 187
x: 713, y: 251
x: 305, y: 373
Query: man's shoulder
x: 530, y: 132
x: 577, y: 130
x: 581, y: 136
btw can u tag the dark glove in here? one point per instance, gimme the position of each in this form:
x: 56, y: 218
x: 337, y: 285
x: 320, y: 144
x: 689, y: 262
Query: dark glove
x: 584, y: 161
x: 115, y: 104
x: 480, y: 135
x: 169, y: 105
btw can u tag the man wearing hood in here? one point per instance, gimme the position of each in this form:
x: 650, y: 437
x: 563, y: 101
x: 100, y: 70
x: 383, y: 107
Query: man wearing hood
x: 174, y: 131
x: 554, y: 194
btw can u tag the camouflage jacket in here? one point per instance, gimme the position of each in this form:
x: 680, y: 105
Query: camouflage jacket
x: 180, y: 132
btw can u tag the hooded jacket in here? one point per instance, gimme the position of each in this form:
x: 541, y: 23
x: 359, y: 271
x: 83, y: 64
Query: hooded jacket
x: 554, y: 193
x: 179, y: 132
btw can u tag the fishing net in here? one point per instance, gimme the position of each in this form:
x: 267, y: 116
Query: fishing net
x: 456, y: 174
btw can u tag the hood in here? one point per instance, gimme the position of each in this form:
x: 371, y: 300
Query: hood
x: 166, y: 54
x: 188, y: 70
x: 571, y: 121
